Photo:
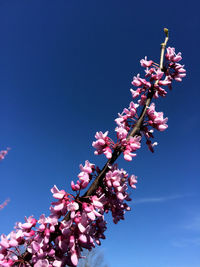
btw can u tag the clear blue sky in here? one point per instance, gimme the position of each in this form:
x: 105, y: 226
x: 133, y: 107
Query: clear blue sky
x: 65, y: 72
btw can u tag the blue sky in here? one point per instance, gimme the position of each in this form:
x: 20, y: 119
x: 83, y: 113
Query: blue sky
x: 65, y: 72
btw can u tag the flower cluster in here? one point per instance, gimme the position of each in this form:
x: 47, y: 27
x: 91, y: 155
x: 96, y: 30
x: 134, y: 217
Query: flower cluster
x: 103, y: 144
x: 116, y: 185
x: 155, y: 79
x: 54, y: 243
x: 77, y: 222
x: 156, y: 119
x: 84, y: 176
x: 174, y: 70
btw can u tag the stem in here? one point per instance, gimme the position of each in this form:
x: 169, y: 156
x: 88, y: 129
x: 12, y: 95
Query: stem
x: 163, y: 46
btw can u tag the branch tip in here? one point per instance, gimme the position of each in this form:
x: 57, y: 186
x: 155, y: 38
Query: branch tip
x: 166, y: 31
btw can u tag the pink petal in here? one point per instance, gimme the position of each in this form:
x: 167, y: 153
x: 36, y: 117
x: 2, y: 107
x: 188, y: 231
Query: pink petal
x: 127, y: 157
x: 26, y: 225
x: 91, y: 216
x: 59, y: 207
x: 59, y: 195
x: 81, y: 228
x: 97, y: 204
x: 74, y: 259
x: 83, y: 238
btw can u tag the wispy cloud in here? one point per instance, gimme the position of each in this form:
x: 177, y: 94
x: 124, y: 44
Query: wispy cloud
x: 194, y: 224
x: 184, y: 242
x: 160, y: 199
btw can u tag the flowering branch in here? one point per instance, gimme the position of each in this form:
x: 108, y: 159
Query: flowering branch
x: 135, y: 131
x: 3, y: 153
x: 77, y: 222
x: 5, y: 203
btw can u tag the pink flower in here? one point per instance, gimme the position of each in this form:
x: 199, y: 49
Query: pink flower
x: 158, y: 74
x: 180, y: 72
x: 3, y: 153
x: 58, y: 194
x: 84, y: 176
x: 145, y: 63
x: 128, y: 155
x: 72, y: 206
x: 4, y: 241
x: 101, y: 140
x: 135, y: 142
x: 142, y: 100
x: 42, y: 263
x: 103, y: 144
x: 15, y: 238
x: 149, y: 72
x: 172, y: 56
x: 121, y: 133
x: 90, y: 211
x: 84, y: 179
x: 135, y: 93
x: 125, y: 119
x: 96, y: 202
x: 132, y: 145
x: 30, y: 222
x: 132, y: 181
x: 156, y: 119
x: 137, y: 81
x: 166, y: 81
x: 74, y: 258
x: 88, y: 168
x: 75, y: 187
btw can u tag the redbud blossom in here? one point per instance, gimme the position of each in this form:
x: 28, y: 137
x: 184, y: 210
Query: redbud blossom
x: 156, y: 119
x: 132, y: 181
x: 3, y: 153
x: 102, y: 144
x: 145, y: 63
x: 172, y: 56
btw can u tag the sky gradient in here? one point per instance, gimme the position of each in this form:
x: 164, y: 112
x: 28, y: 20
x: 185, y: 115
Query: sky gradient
x: 65, y: 72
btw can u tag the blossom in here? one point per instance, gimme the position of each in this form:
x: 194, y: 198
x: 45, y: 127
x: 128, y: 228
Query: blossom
x: 132, y: 181
x: 3, y: 153
x: 102, y: 144
x: 84, y: 176
x: 124, y: 120
x: 137, y: 81
x: 145, y: 63
x: 172, y: 56
x: 157, y: 74
x: 156, y: 119
x: 121, y: 132
x: 136, y: 93
x: 30, y: 222
x: 131, y: 146
x: 58, y: 194
x: 116, y: 181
